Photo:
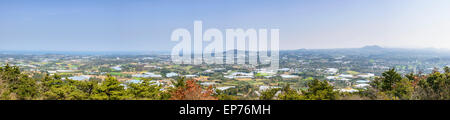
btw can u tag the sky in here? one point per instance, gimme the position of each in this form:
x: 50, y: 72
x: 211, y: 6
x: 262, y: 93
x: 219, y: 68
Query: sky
x: 146, y: 25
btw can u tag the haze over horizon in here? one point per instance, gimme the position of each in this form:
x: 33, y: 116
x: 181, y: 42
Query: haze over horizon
x: 96, y: 25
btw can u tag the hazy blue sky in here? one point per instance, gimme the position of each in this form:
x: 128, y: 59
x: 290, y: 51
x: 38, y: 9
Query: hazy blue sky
x: 129, y: 25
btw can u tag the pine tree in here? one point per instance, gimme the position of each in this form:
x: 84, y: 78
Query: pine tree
x: 447, y: 69
x: 287, y: 93
x: 110, y: 89
x: 16, y: 85
x: 320, y: 90
x: 388, y: 79
x: 146, y: 90
x: 269, y: 94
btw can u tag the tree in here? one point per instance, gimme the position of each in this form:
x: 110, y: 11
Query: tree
x: 110, y: 89
x: 320, y: 90
x: 436, y: 86
x: 146, y: 90
x: 48, y: 81
x: 269, y: 94
x: 16, y: 85
x: 403, y: 89
x: 287, y: 93
x: 391, y: 85
x: 447, y: 69
x: 65, y: 92
x: 26, y: 88
x: 388, y: 79
x: 54, y: 88
x: 87, y: 87
x: 222, y: 95
x: 180, y: 82
x: 411, y: 76
x: 191, y: 91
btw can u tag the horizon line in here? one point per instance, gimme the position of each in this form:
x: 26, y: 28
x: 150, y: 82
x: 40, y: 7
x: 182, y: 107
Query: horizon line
x: 384, y: 47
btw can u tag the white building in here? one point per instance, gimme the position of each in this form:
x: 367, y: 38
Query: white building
x: 190, y: 76
x: 332, y: 70
x: 172, y: 74
x: 225, y: 88
x: 332, y: 78
x: 346, y: 76
x: 348, y: 90
x: 117, y: 68
x: 79, y: 78
x: 147, y: 75
x: 289, y: 76
x: 265, y: 87
x: 207, y: 83
x: 239, y: 75
x: 284, y: 69
x: 362, y: 85
x: 368, y: 75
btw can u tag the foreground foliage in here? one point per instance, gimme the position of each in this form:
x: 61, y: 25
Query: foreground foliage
x: 18, y: 86
x: 15, y: 85
x: 390, y: 86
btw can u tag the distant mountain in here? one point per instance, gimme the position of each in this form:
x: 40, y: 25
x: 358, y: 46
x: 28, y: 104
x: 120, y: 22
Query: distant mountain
x: 366, y: 50
x: 376, y: 50
x: 372, y: 47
